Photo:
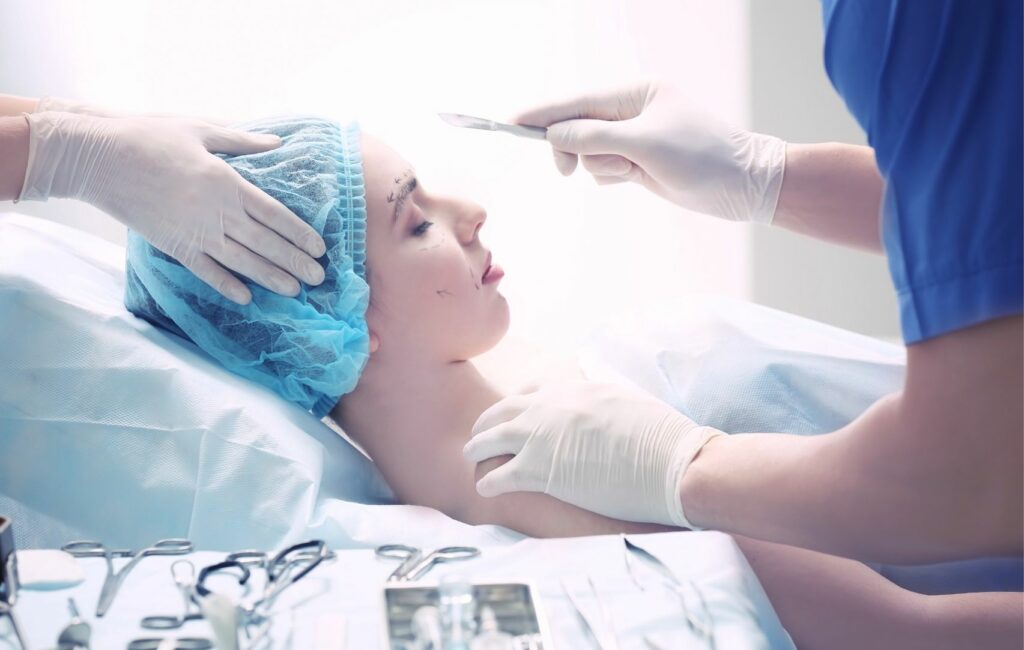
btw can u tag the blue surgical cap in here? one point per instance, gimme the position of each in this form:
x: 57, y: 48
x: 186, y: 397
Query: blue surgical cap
x: 311, y: 348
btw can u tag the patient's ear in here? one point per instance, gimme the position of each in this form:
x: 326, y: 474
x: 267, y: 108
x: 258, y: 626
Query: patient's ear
x: 374, y: 342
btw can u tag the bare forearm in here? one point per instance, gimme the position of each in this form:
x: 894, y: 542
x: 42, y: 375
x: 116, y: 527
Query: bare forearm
x: 537, y: 514
x: 833, y: 603
x: 832, y: 192
x: 860, y: 493
x: 823, y: 601
x: 14, y: 105
x: 14, y: 141
x: 987, y: 620
x: 928, y: 474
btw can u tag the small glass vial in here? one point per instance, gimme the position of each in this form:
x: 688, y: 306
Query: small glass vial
x: 490, y: 637
x: 458, y: 612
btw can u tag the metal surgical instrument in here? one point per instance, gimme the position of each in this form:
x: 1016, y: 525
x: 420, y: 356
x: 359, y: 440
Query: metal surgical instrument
x: 184, y: 574
x: 588, y: 624
x: 282, y: 570
x: 76, y: 634
x: 171, y: 643
x: 468, y: 121
x: 414, y: 565
x: 9, y: 578
x: 113, y: 581
x: 704, y: 627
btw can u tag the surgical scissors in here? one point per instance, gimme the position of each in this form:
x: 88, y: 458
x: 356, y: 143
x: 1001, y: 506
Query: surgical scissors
x: 113, y: 581
x: 414, y: 565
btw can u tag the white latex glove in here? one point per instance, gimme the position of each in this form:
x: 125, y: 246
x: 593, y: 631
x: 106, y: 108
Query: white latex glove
x: 62, y: 105
x: 649, y: 135
x: 614, y: 451
x: 159, y: 177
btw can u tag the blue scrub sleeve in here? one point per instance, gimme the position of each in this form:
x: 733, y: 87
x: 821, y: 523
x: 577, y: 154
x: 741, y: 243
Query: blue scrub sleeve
x: 936, y: 86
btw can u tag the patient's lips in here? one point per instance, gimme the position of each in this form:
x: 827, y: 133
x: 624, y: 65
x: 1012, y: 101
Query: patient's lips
x: 492, y: 272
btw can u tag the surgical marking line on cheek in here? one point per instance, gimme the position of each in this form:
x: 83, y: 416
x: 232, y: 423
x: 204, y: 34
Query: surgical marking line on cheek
x: 444, y: 238
x: 472, y: 277
x: 444, y: 292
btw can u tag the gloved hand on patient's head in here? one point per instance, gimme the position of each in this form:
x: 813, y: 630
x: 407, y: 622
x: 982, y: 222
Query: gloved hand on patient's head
x: 649, y: 135
x: 311, y: 348
x: 65, y: 105
x: 602, y: 447
x: 159, y: 177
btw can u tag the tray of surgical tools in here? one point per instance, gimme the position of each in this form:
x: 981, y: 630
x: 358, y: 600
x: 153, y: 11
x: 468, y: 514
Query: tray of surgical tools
x: 601, y: 592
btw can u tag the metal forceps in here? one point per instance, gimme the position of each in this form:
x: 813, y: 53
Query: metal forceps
x: 114, y: 580
x: 184, y: 574
x: 283, y: 570
x: 414, y: 564
x: 288, y: 567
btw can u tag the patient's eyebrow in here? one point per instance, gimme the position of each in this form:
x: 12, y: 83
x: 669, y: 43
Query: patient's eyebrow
x: 399, y: 196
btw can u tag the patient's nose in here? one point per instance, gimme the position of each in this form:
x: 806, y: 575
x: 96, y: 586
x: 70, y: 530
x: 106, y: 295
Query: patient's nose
x: 471, y: 219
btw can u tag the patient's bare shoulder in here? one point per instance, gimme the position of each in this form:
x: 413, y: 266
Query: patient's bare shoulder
x: 515, y: 366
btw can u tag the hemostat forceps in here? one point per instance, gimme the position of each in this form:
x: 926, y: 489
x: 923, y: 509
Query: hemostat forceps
x: 184, y: 574
x: 414, y: 565
x: 114, y: 579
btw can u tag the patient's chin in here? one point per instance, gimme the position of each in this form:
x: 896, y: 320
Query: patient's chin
x: 502, y: 318
x: 487, y: 337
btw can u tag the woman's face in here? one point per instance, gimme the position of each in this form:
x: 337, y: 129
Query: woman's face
x: 426, y: 265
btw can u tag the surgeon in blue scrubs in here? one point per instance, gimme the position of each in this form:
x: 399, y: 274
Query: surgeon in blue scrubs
x: 932, y: 473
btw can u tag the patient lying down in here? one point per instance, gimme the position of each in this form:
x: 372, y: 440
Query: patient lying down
x: 433, y: 307
x: 432, y: 310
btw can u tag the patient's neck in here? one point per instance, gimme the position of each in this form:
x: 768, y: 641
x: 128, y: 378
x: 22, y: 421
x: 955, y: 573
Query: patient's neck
x: 405, y: 405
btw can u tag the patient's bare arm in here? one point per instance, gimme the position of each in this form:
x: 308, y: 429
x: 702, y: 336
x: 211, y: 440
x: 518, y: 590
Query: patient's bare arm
x: 540, y: 515
x: 823, y: 601
x: 431, y: 471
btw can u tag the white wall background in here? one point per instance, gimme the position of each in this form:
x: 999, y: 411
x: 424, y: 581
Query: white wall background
x: 571, y: 250
x: 791, y: 97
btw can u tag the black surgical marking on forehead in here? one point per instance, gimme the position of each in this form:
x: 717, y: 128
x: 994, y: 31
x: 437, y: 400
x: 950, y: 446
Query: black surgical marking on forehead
x: 403, y: 194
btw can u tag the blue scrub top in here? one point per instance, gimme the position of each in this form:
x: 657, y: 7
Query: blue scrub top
x: 936, y: 85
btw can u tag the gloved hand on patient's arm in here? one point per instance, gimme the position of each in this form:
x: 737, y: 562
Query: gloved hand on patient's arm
x: 649, y: 135
x: 613, y: 451
x: 159, y: 177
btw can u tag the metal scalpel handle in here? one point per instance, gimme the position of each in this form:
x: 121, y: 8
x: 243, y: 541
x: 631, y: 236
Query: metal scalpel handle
x: 471, y: 122
x: 9, y: 579
x: 8, y: 611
